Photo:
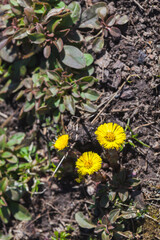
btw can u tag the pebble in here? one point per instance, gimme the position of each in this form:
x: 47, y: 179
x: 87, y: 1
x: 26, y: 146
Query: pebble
x: 156, y: 145
x: 118, y: 64
x: 136, y: 69
x: 127, y: 95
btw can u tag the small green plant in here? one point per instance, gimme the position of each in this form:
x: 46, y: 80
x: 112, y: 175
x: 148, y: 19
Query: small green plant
x: 4, y: 81
x: 60, y: 236
x: 19, y: 166
x: 96, y: 17
x: 11, y: 192
x: 56, y: 91
x: 133, y: 138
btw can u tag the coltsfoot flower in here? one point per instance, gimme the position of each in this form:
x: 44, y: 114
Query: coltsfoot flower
x: 61, y: 142
x: 110, y: 135
x: 88, y: 163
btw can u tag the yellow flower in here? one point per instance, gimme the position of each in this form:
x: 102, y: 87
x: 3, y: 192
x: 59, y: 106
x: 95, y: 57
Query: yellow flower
x: 61, y: 142
x: 88, y: 163
x: 110, y: 135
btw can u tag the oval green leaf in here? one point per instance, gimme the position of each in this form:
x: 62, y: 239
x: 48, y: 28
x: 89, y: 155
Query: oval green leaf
x: 83, y: 222
x: 73, y: 57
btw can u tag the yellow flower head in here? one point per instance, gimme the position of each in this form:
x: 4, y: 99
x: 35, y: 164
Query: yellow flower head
x: 110, y: 135
x: 88, y: 163
x: 61, y: 142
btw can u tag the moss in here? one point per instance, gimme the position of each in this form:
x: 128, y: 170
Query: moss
x: 151, y: 228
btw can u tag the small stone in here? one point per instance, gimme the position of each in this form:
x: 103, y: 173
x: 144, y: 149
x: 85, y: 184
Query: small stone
x: 117, y: 79
x: 127, y: 95
x: 136, y: 69
x: 124, y: 74
x: 126, y: 68
x: 124, y: 56
x: 118, y: 64
x: 151, y: 56
x: 156, y: 145
x: 106, y: 73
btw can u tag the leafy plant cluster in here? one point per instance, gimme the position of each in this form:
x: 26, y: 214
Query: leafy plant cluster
x: 56, y: 91
x: 20, y: 166
x: 38, y: 25
x: 98, y: 17
x: 114, y: 203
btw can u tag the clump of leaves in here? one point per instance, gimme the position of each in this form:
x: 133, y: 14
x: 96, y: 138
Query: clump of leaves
x: 114, y: 212
x: 97, y: 17
x: 20, y: 166
x: 33, y: 26
x: 4, y: 80
x: 10, y: 190
x: 60, y: 236
x: 10, y: 194
x: 56, y: 91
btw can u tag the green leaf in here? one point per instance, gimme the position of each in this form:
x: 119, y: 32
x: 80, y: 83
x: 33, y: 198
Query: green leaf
x: 14, y: 194
x: 16, y: 139
x: 62, y: 107
x: 122, y: 20
x: 3, y: 184
x: 20, y: 94
x: 11, y: 167
x: 111, y: 21
x: 89, y: 107
x: 83, y: 222
x: 24, y: 3
x: 113, y: 215
x: 104, y: 236
x: 90, y: 16
x: 98, y: 44
x: 115, y: 32
x: 6, y: 154
x: 89, y: 59
x: 3, y: 201
x: 126, y: 234
x: 56, y: 115
x: 54, y: 12
x: 112, y: 196
x: 128, y: 214
x: 5, y: 214
x: 51, y: 26
x: 37, y: 38
x: 53, y: 90
x: 19, y: 212
x: 69, y: 104
x: 92, y: 95
x: 123, y: 194
x: 8, y: 53
x: 2, y: 141
x: 75, y: 11
x: 59, y: 44
x: 20, y: 34
x: 5, y: 88
x: 73, y: 57
x: 12, y: 159
x: 47, y: 51
x: 6, y: 237
x: 28, y: 106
